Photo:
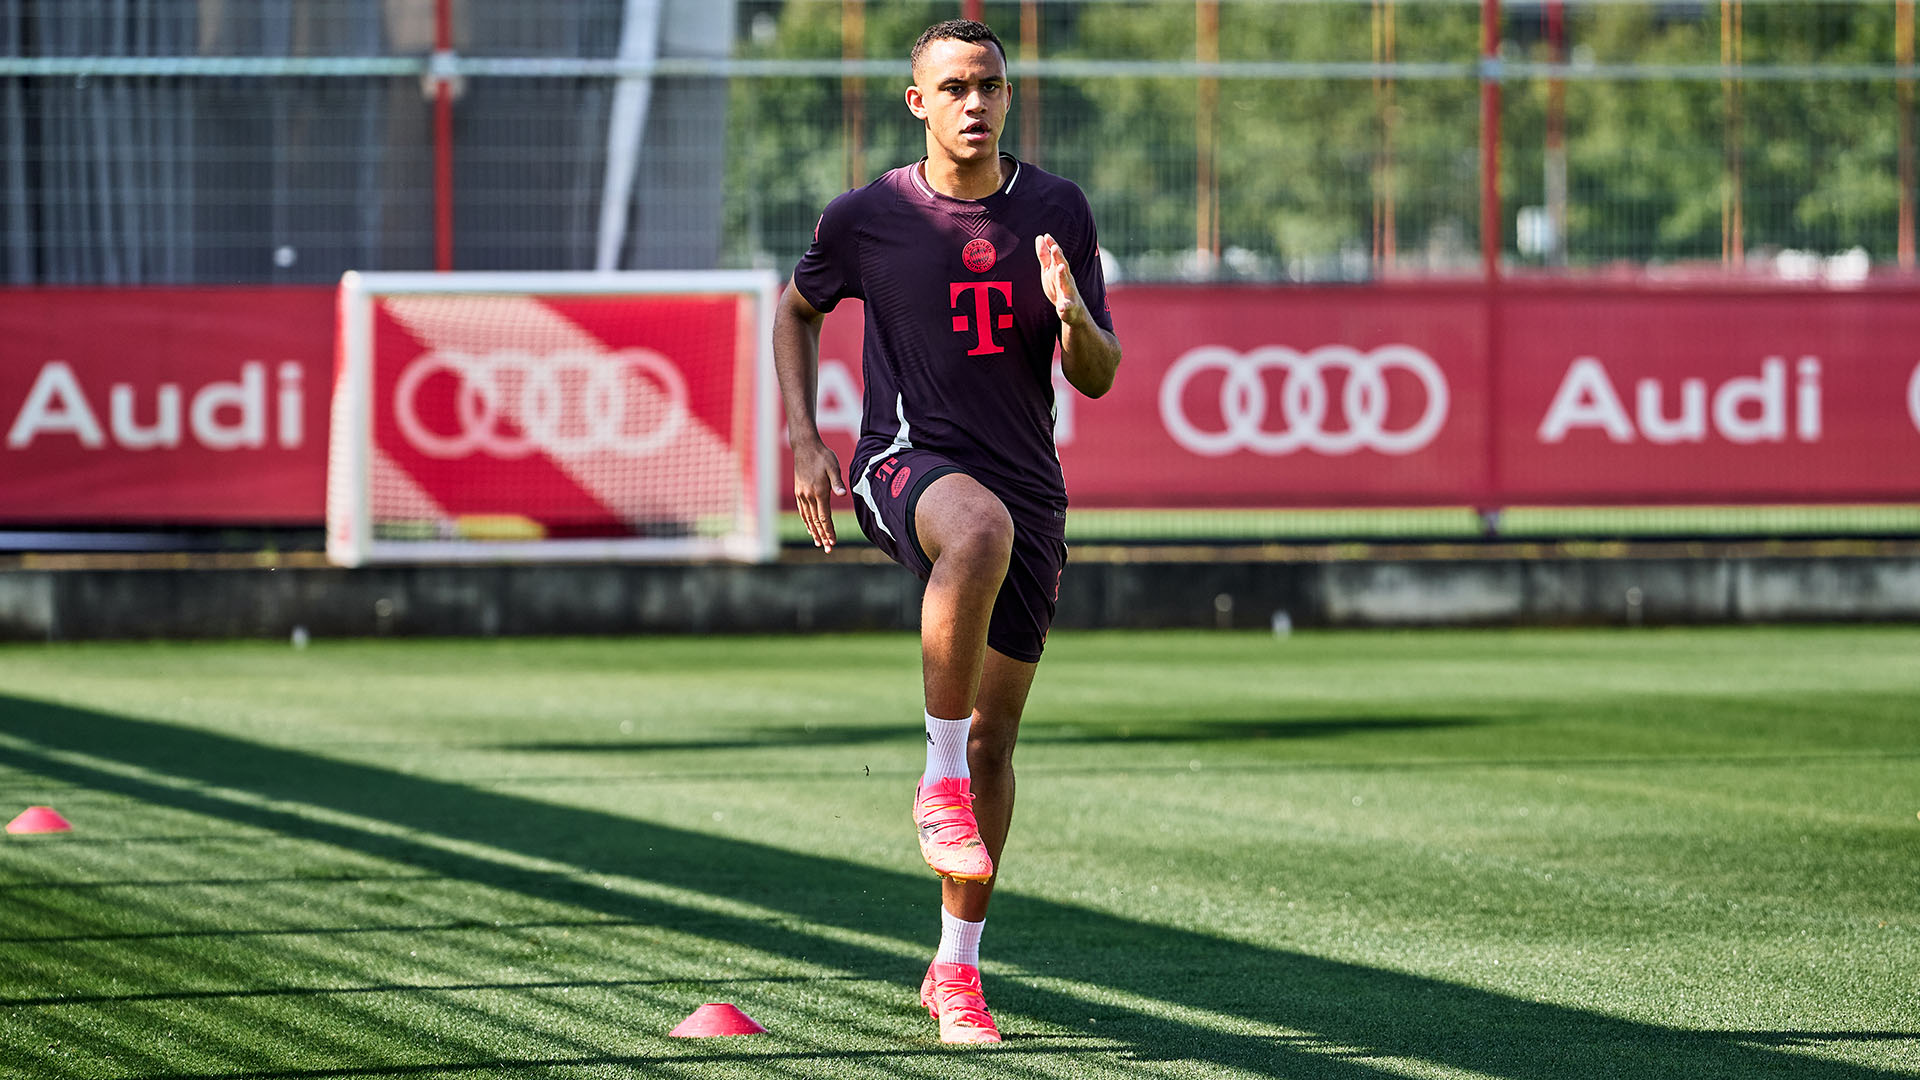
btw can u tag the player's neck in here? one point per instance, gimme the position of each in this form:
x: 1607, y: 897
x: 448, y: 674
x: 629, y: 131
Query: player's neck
x: 965, y: 179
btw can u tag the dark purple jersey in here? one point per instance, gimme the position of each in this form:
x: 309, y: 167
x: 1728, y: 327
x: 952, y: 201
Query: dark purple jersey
x: 960, y: 336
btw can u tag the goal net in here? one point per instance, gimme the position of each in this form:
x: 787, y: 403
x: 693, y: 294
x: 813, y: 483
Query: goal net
x: 552, y: 416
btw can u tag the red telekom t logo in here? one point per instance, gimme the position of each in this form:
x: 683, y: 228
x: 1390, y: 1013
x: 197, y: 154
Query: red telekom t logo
x: 982, y: 311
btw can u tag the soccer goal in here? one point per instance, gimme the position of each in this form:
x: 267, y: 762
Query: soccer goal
x: 552, y: 416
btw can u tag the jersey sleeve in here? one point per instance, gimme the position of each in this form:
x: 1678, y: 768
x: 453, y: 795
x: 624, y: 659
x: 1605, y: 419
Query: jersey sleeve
x: 829, y: 272
x: 1085, y: 263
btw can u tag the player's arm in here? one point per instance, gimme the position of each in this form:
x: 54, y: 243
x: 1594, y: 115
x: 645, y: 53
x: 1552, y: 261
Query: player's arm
x: 1089, y: 353
x: 796, y: 359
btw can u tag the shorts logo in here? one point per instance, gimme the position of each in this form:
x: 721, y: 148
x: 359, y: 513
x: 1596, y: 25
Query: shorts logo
x: 891, y: 469
x: 978, y: 255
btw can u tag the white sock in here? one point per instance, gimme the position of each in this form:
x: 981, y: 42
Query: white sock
x: 959, y: 940
x: 947, y: 747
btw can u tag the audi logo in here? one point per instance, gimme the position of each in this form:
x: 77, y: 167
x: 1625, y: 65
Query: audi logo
x: 1304, y: 400
x: 573, y: 401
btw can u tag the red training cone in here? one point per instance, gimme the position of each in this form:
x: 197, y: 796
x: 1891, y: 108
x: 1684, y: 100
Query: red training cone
x: 718, y: 1018
x: 35, y: 819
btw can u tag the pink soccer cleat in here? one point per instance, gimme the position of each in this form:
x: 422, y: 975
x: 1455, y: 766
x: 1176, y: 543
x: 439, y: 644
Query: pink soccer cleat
x: 951, y: 993
x: 949, y: 835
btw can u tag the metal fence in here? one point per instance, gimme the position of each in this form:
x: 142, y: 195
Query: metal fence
x: 202, y: 141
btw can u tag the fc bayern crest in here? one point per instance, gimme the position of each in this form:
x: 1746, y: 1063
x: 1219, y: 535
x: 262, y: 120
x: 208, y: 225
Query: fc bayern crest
x: 978, y: 255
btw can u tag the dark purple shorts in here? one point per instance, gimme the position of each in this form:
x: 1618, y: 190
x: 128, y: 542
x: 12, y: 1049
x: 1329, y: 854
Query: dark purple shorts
x: 884, y: 500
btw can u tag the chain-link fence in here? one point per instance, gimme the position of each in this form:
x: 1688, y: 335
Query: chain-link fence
x: 177, y: 141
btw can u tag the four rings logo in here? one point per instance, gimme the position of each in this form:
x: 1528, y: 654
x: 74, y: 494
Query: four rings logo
x: 1249, y: 417
x: 511, y: 403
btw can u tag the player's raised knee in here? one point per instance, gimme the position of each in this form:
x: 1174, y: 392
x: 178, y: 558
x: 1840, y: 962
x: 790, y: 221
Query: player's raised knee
x: 961, y: 521
x: 983, y: 542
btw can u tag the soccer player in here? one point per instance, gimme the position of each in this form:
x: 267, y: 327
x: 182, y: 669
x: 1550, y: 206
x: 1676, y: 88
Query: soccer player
x: 973, y: 266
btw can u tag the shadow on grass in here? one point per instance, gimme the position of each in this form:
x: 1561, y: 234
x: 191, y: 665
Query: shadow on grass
x: 1350, y: 1012
x: 1278, y: 728
x: 682, y: 1064
x: 1815, y: 1038
x: 66, y: 1000
x: 312, y: 931
x: 1185, y: 731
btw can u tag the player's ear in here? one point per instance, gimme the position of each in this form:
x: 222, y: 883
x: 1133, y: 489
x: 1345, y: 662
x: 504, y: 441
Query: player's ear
x: 916, y: 103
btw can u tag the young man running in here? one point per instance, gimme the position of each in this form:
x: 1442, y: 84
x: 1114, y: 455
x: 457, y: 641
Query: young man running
x: 972, y: 266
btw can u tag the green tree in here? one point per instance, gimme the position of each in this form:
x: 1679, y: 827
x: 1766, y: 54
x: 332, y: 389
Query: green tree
x: 1300, y: 163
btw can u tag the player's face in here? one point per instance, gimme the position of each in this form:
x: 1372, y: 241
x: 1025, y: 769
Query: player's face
x: 960, y: 89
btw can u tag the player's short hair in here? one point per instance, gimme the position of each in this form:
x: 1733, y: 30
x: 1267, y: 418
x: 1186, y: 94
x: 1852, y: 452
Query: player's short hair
x: 973, y: 33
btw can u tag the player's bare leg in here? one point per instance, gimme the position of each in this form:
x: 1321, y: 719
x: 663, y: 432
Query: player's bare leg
x: 951, y: 990
x: 1004, y: 683
x: 967, y: 533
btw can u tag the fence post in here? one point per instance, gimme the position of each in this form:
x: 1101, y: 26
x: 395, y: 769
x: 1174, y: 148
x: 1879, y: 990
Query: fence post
x: 1385, y: 241
x: 1206, y: 49
x: 442, y: 136
x: 1903, y: 55
x: 853, y: 93
x: 1030, y: 132
x: 1490, y: 140
x: 1556, y: 171
x: 1490, y: 246
x: 1733, y: 244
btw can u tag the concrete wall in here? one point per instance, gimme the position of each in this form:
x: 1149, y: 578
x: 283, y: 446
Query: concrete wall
x: 858, y: 593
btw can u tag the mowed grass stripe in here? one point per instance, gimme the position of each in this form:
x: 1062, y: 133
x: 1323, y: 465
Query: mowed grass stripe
x: 1516, y: 854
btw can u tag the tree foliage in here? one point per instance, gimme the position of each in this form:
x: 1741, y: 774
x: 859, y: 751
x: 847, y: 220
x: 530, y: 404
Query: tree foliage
x: 1310, y: 172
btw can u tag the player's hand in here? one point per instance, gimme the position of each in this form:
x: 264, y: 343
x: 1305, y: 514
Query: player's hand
x: 816, y: 479
x: 1056, y: 277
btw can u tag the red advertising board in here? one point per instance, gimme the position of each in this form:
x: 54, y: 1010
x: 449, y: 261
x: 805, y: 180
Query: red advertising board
x: 1550, y: 394
x: 208, y: 406
x: 164, y: 406
x: 586, y: 415
x: 1704, y: 396
x: 1261, y: 397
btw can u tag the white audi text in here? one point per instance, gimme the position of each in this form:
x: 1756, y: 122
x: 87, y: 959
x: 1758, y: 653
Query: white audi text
x: 1745, y: 409
x: 222, y: 415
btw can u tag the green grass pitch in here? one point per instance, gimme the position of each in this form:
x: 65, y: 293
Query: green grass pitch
x: 1532, y: 855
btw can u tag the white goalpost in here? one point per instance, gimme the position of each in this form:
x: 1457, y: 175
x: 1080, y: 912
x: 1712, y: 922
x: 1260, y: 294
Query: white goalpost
x: 552, y: 416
